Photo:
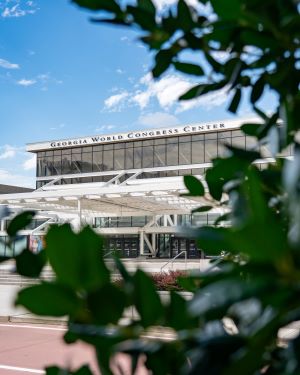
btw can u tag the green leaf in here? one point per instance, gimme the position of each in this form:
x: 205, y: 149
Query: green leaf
x: 176, y: 320
x: 184, y: 17
x: 202, y: 209
x: 194, y: 186
x: 147, y: 6
x: 189, y: 68
x: 147, y: 300
x: 105, y: 5
x: 227, y: 9
x: 235, y: 101
x: 30, y: 264
x: 163, y: 60
x: 49, y: 299
x: 76, y: 259
x: 202, y: 89
x: 107, y: 304
x: 20, y: 222
x: 257, y: 90
x: 143, y: 18
x: 251, y: 129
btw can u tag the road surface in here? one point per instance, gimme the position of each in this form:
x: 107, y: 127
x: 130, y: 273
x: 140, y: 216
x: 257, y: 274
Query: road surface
x: 29, y: 348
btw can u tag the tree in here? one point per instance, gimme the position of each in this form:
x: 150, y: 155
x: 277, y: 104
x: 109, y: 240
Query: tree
x: 257, y: 286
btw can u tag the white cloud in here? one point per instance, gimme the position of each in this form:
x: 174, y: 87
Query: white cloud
x: 115, y: 102
x: 17, y: 8
x: 158, y: 119
x: 30, y: 163
x: 26, y: 82
x: 9, y: 178
x: 43, y: 80
x: 165, y: 92
x: 104, y: 128
x: 120, y: 71
x: 8, y: 65
x: 7, y: 152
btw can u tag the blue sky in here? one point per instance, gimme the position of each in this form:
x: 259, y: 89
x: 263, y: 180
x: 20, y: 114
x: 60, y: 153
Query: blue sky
x: 62, y: 76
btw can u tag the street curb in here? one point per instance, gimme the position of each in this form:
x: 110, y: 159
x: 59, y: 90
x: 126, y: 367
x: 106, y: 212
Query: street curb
x: 32, y: 320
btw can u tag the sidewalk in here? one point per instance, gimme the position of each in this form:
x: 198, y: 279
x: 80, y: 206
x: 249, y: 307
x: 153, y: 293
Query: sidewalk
x: 16, y: 314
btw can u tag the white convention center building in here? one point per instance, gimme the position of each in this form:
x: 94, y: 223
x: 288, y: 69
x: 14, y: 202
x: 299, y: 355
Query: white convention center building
x: 128, y: 186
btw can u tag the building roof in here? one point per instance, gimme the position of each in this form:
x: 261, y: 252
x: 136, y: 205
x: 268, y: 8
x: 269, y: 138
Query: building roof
x: 11, y: 189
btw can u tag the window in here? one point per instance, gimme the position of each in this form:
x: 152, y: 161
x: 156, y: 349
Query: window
x: 159, y: 155
x: 147, y: 161
x: 172, y: 154
x: 185, y: 153
x: 119, y: 159
x: 198, y: 152
x: 87, y: 162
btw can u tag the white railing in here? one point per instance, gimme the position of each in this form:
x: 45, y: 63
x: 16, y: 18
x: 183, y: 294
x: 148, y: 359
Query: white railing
x: 172, y: 260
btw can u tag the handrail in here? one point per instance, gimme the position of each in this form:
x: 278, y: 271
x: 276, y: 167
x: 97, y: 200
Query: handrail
x: 172, y: 260
x: 107, y: 254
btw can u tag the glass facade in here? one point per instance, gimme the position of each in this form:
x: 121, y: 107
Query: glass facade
x: 159, y: 152
x: 15, y: 248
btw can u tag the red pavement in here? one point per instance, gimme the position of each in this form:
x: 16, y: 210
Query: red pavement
x: 29, y: 348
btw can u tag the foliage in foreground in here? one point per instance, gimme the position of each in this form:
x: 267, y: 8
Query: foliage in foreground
x: 257, y: 287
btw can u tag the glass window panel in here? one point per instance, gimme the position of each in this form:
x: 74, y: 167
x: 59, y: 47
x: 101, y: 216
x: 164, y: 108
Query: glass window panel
x: 197, y: 137
x: 211, y: 150
x: 47, y: 167
x: 76, y: 163
x: 49, y: 153
x: 185, y: 138
x: 129, y: 158
x: 108, y: 160
x: 185, y: 153
x: 160, y: 141
x: 129, y: 144
x: 57, y: 152
x: 39, y: 167
x: 224, y: 134
x: 198, y: 152
x: 119, y: 145
x: 183, y: 172
x: 87, y: 149
x: 108, y: 146
x: 237, y: 133
x: 98, y: 148
x: 57, y: 164
x: 41, y: 154
x: 148, y: 142
x: 159, y: 156
x: 66, y: 164
x: 138, y: 157
x: 66, y: 152
x: 76, y: 150
x: 222, y: 150
x: 97, y: 162
x: 147, y: 161
x: 172, y: 154
x: 87, y: 162
x: 239, y: 142
x: 119, y: 159
x: 137, y: 143
x: 172, y: 140
x: 212, y: 135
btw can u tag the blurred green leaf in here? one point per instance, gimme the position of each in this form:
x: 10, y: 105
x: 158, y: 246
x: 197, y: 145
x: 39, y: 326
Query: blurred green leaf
x: 50, y: 299
x: 257, y: 90
x: 76, y: 259
x: 107, y: 304
x: 235, y: 101
x: 189, y: 68
x: 111, y: 5
x: 147, y: 300
x: 228, y: 10
x: 30, y: 264
x: 194, y: 186
x: 184, y: 17
x: 19, y: 222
